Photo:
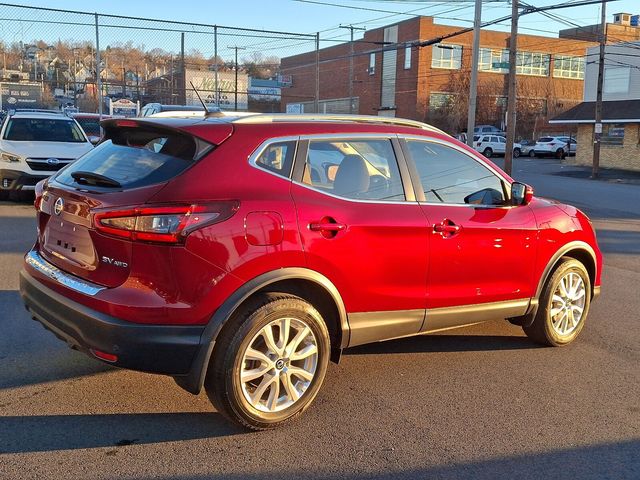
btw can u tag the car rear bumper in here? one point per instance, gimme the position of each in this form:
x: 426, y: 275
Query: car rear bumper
x: 16, y: 180
x: 161, y: 349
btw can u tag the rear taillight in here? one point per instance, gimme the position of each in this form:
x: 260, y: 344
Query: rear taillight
x: 163, y: 223
x: 39, y: 192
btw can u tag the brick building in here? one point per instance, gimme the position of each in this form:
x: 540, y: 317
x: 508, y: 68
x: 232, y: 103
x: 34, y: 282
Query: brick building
x: 432, y: 83
x: 620, y: 138
x: 623, y: 29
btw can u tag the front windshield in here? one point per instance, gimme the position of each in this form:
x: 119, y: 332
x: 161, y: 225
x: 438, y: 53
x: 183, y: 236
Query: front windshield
x: 43, y: 130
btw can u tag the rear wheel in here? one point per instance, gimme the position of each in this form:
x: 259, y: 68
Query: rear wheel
x: 269, y: 361
x: 564, y: 305
x: 560, y: 153
x: 516, y: 152
x: 532, y: 153
x: 487, y: 152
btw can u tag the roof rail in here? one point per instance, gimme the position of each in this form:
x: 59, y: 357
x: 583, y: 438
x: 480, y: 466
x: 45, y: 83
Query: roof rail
x: 34, y: 110
x: 330, y: 117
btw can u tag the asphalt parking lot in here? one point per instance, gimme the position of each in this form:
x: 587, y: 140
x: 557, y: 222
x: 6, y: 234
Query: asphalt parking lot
x: 479, y: 402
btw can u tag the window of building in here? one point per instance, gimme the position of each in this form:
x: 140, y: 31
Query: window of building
x: 616, y: 78
x: 493, y: 60
x: 566, y: 66
x: 354, y: 168
x: 439, y: 101
x: 532, y: 63
x: 372, y: 64
x: 446, y: 56
x: 450, y: 176
x: 407, y: 58
x: 612, y: 134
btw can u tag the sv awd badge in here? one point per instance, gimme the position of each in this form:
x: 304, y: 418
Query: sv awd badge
x: 114, y: 262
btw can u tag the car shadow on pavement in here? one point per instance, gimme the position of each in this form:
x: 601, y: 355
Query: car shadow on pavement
x: 445, y: 343
x: 619, y: 460
x: 45, y: 433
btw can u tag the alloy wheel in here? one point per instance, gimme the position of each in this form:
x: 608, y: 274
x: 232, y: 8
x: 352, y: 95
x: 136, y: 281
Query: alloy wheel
x: 279, y: 364
x: 567, y: 304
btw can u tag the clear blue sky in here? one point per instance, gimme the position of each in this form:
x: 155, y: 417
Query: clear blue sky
x: 285, y: 15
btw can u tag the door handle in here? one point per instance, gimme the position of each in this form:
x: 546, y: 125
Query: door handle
x: 327, y: 227
x: 447, y: 228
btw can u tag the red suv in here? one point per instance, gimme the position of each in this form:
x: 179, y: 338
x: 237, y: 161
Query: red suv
x: 242, y: 254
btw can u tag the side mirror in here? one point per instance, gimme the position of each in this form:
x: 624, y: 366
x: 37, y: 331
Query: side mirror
x: 521, y: 193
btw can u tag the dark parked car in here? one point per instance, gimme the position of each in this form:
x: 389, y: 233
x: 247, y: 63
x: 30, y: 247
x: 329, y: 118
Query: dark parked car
x: 90, y: 123
x: 241, y: 255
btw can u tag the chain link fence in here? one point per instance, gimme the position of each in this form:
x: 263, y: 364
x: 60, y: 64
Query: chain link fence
x: 114, y: 64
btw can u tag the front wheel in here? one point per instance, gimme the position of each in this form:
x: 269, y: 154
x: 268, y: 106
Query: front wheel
x: 564, y: 305
x: 487, y: 152
x: 516, y: 152
x: 269, y: 362
x: 532, y: 153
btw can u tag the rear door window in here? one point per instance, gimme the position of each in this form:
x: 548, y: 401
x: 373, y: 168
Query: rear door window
x: 354, y: 168
x: 134, y: 157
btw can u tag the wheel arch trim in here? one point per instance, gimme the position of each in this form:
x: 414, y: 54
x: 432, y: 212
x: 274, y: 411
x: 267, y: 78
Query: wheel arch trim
x: 562, y: 251
x: 194, y: 380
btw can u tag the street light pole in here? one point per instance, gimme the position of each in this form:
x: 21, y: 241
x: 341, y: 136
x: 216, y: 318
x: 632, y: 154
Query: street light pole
x: 236, y: 48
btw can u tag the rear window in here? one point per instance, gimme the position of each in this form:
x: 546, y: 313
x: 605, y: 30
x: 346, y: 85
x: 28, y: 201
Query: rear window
x: 546, y: 139
x: 43, y: 130
x: 135, y: 158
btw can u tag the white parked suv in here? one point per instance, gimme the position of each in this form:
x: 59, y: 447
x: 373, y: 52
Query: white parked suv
x: 550, y: 146
x: 490, y: 145
x: 34, y: 145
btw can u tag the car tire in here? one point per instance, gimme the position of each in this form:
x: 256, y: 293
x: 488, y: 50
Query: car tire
x: 253, y: 378
x: 487, y: 152
x: 560, y: 153
x: 516, y: 152
x: 532, y: 153
x: 566, y: 292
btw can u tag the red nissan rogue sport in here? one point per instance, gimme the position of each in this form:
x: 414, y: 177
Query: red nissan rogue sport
x: 242, y: 254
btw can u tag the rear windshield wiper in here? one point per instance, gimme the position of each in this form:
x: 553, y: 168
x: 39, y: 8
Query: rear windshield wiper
x: 91, y: 178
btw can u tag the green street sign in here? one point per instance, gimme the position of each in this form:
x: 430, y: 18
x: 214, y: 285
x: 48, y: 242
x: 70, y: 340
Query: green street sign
x: 500, y: 65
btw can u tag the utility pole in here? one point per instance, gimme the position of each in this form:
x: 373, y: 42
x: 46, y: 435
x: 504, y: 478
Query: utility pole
x: 236, y: 69
x: 183, y: 72
x: 171, y: 88
x: 75, y: 84
x: 351, y: 52
x: 511, y: 92
x: 316, y: 97
x: 473, y: 84
x: 597, y: 127
x: 215, y: 65
x: 98, y: 79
